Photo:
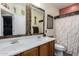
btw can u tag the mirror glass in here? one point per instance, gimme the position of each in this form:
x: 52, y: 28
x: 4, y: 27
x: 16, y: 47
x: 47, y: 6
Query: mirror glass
x: 15, y: 22
x: 37, y: 20
x: 12, y: 19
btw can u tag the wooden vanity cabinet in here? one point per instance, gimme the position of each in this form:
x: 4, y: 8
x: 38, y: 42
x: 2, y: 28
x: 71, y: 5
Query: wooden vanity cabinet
x: 52, y: 48
x: 46, y: 49
x: 32, y: 52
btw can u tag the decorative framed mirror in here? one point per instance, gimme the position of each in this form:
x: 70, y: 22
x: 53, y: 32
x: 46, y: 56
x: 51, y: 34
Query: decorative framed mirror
x: 36, y: 20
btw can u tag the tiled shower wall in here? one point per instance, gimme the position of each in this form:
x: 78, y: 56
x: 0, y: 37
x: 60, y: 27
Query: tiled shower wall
x: 67, y: 33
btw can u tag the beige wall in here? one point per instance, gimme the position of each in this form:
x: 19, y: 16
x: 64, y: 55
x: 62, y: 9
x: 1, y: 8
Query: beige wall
x: 19, y: 8
x: 49, y: 9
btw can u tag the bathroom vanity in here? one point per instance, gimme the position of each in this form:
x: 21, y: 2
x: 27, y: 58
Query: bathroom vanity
x: 27, y: 46
x: 46, y: 49
x: 15, y: 39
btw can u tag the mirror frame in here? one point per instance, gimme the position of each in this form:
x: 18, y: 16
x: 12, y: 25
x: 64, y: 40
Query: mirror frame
x: 29, y: 18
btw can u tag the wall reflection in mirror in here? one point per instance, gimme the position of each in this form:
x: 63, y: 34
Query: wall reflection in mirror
x: 12, y: 19
x: 37, y: 20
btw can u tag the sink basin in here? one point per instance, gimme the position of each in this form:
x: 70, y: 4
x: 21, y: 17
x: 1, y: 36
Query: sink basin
x: 5, y: 45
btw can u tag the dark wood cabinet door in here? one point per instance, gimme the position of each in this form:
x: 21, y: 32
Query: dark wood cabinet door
x: 44, y: 50
x: 51, y: 48
x: 47, y: 49
x: 32, y: 52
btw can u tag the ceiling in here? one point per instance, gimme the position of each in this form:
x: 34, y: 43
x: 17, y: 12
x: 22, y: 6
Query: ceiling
x: 57, y: 5
x: 61, y: 5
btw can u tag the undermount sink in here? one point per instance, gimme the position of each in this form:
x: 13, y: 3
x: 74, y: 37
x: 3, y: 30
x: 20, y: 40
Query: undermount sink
x: 5, y: 45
